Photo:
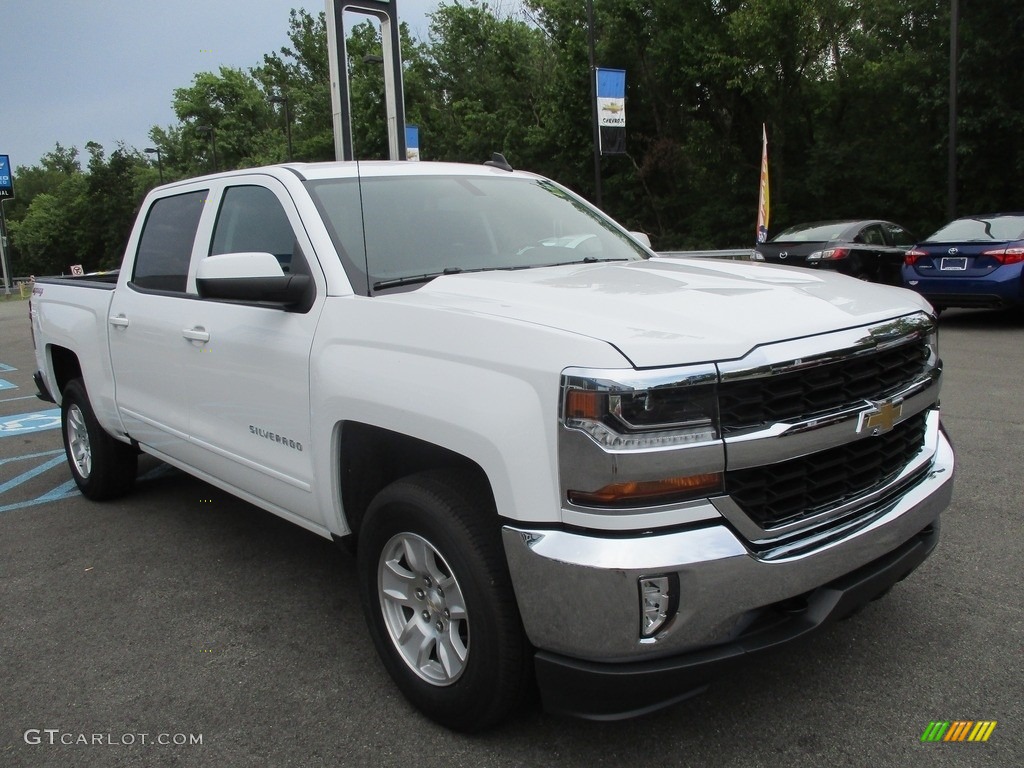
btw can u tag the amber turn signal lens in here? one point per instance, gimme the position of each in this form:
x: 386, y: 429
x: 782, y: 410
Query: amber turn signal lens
x: 649, y: 491
x: 584, y: 404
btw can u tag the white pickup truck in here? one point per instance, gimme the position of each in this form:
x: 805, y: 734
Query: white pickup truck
x: 562, y: 461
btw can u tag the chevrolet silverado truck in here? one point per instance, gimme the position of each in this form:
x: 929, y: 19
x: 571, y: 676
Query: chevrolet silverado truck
x: 563, y: 462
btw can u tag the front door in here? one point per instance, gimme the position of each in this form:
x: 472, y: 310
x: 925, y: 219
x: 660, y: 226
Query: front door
x: 248, y: 365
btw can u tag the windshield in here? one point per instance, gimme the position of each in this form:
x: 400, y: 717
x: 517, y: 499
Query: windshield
x: 998, y: 228
x: 419, y: 227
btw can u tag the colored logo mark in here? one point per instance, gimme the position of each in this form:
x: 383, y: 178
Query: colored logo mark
x: 30, y: 422
x: 958, y: 730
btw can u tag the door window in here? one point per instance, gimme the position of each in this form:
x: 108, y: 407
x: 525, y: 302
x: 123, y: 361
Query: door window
x: 165, y: 248
x: 251, y: 219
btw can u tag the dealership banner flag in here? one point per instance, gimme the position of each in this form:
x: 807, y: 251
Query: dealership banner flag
x: 611, y: 111
x: 6, y: 177
x: 762, y: 197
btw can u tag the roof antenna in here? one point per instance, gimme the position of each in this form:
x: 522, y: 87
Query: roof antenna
x: 498, y: 161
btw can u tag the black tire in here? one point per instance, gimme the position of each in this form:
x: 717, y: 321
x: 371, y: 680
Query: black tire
x: 438, y: 532
x: 103, y: 467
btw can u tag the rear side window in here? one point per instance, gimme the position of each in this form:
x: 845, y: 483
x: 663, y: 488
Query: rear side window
x: 165, y: 248
x: 900, y: 236
x: 872, y: 235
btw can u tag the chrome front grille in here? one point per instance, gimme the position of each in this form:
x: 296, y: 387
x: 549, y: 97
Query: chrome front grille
x: 769, y: 399
x: 780, y: 494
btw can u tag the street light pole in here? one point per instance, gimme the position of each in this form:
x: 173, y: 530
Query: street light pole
x: 287, y: 120
x: 954, y: 54
x: 593, y: 104
x: 3, y: 249
x: 209, y: 129
x: 159, y: 161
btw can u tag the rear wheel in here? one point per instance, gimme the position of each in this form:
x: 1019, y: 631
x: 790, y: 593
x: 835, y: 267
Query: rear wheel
x: 438, y: 599
x: 101, y: 466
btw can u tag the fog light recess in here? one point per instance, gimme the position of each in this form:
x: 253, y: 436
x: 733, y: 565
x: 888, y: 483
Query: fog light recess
x: 659, y: 600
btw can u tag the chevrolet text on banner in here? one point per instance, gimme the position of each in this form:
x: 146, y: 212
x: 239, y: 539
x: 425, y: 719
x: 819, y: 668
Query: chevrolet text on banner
x: 611, y: 110
x: 762, y: 197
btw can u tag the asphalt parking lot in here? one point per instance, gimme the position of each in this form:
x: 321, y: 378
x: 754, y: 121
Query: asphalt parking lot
x: 181, y: 627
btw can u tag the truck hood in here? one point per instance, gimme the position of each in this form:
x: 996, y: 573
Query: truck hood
x: 672, y: 311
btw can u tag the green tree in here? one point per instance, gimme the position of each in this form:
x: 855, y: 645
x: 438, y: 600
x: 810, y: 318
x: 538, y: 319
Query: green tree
x: 301, y: 73
x: 77, y: 216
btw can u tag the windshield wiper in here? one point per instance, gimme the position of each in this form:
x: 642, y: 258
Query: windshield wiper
x: 399, y: 282
x: 585, y: 260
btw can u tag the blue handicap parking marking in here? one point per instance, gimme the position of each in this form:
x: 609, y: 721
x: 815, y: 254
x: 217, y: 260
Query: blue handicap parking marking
x: 25, y: 423
x: 38, y: 464
x: 24, y: 477
x: 6, y: 368
x: 5, y: 384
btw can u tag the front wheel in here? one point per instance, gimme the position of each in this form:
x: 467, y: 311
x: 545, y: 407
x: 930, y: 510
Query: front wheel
x: 102, y: 466
x: 438, y: 599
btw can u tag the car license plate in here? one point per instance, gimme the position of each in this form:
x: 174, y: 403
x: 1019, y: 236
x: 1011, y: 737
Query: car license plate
x: 956, y: 264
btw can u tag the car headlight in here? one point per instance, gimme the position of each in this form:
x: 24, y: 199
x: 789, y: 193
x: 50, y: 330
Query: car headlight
x: 620, y: 417
x: 636, y: 439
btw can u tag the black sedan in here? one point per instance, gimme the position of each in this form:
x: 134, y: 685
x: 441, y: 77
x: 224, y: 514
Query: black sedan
x: 867, y: 249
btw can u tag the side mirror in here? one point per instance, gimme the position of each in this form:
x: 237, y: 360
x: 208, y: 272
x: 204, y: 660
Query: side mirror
x: 251, y: 277
x: 642, y: 238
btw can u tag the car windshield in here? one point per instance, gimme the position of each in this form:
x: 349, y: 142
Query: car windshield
x: 998, y: 228
x: 809, y: 233
x: 415, y: 228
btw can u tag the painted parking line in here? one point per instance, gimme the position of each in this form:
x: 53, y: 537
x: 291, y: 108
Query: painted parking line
x: 46, y: 498
x: 12, y: 459
x: 30, y: 422
x: 7, y: 368
x: 44, y: 461
x: 24, y: 477
x: 67, y: 489
x: 5, y: 384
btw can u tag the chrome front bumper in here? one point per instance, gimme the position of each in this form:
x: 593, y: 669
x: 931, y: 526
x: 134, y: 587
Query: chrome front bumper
x: 578, y: 593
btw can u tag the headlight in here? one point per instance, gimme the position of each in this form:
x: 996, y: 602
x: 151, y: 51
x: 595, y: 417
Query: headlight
x: 635, y: 416
x: 639, y: 439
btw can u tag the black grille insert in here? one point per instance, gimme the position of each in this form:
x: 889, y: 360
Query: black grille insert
x: 790, y: 396
x: 786, y: 492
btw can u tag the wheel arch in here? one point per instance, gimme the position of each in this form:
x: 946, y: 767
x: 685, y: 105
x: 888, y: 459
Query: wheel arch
x: 372, y: 457
x: 65, y: 365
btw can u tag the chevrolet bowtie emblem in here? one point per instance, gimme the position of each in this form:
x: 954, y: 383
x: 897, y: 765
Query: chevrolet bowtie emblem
x: 881, y: 418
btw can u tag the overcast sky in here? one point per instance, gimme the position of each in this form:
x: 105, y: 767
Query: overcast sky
x: 73, y: 71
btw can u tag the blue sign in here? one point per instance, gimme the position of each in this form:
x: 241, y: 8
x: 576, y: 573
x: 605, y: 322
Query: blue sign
x: 611, y: 83
x: 6, y: 177
x: 412, y: 142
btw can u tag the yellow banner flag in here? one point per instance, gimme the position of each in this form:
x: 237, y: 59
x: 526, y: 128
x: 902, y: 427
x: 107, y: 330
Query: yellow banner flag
x: 762, y: 198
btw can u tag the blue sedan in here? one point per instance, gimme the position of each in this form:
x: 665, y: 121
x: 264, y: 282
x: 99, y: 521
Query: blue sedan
x: 976, y: 261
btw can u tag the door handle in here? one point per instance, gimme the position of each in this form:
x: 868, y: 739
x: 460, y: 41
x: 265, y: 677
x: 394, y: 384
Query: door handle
x: 196, y: 334
x: 118, y: 321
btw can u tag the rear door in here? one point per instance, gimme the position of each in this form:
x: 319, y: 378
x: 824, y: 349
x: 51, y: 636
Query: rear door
x: 147, y: 318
